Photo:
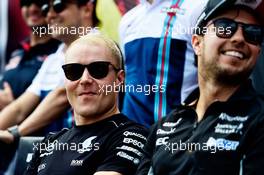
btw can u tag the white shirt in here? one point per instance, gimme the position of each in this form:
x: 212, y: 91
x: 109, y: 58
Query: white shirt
x: 50, y: 75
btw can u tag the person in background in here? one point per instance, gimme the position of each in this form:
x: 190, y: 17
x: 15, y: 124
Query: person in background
x: 159, y: 59
x: 110, y: 12
x: 28, y: 58
x: 220, y: 128
x: 110, y: 144
x: 11, y: 18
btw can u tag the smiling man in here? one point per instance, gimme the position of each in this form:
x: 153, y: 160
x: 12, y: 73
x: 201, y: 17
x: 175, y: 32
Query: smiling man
x: 220, y: 128
x: 107, y: 142
x: 44, y: 104
x: 44, y: 107
x: 24, y: 63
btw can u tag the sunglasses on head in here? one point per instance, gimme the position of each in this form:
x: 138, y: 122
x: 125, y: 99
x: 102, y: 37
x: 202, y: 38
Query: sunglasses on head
x: 28, y: 3
x: 97, y: 70
x: 226, y: 28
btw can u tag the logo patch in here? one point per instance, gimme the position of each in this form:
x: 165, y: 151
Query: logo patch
x: 76, y: 162
x: 222, y: 144
x: 87, y: 145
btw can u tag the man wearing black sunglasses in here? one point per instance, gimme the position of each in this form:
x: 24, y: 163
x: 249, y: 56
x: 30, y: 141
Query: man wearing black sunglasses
x: 115, y: 142
x: 220, y: 128
x: 52, y: 113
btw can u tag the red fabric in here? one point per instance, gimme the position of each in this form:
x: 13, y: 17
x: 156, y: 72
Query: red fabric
x: 25, y: 45
x: 17, y: 29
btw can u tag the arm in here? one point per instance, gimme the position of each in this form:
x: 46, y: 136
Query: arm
x: 6, y: 96
x: 145, y: 162
x: 253, y: 159
x: 48, y: 110
x: 18, y: 110
x: 121, y: 154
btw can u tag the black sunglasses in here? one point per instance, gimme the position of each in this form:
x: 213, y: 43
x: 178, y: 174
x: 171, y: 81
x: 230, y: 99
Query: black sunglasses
x: 27, y: 3
x: 226, y: 28
x: 58, y: 7
x: 97, y: 70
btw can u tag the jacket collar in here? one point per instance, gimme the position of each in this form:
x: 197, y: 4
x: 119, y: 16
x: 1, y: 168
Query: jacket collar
x: 245, y: 92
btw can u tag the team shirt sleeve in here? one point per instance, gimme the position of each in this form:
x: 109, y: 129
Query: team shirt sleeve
x: 253, y: 160
x: 124, y: 151
x: 145, y: 163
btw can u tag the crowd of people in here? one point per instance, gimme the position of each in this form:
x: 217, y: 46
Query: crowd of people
x: 81, y: 83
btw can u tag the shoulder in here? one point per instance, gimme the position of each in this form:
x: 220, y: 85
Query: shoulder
x: 121, y: 122
x: 167, y: 125
x: 122, y: 128
x: 123, y: 146
x: 54, y: 59
x: 129, y: 20
x: 258, y: 110
x: 58, y: 52
x: 53, y: 136
x: 173, y: 116
x: 132, y: 14
x: 53, y: 42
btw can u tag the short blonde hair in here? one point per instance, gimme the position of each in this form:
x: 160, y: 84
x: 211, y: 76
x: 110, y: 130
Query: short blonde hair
x: 98, y: 38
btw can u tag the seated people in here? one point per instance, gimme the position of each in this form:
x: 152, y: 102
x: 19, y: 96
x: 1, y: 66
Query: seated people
x: 220, y: 128
x: 107, y: 142
x: 44, y: 104
x: 26, y: 60
x: 44, y: 107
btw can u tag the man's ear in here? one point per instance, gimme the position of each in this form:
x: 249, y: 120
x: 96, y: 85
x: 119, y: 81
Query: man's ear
x: 197, y: 44
x: 120, y: 80
x: 87, y: 11
x: 120, y: 77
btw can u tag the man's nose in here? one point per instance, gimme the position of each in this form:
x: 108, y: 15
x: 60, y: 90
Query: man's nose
x: 86, y: 77
x: 51, y: 13
x: 238, y: 36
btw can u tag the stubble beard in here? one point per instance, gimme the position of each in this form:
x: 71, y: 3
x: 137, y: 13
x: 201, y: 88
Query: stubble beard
x: 213, y: 71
